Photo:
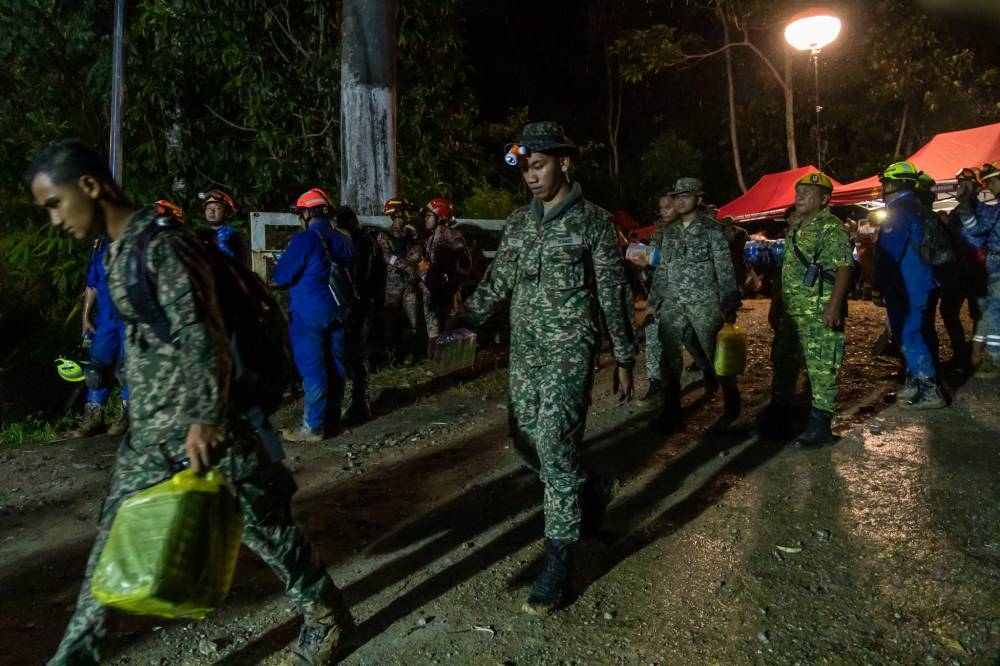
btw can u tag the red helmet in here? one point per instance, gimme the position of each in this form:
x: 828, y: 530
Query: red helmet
x: 441, y: 207
x: 171, y: 209
x: 217, y: 196
x: 312, y: 199
x: 397, y: 206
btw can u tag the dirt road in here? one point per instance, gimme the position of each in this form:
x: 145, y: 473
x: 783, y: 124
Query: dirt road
x: 720, y: 549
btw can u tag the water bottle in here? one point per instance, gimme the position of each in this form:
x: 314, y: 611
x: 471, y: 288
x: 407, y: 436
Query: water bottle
x: 730, y: 351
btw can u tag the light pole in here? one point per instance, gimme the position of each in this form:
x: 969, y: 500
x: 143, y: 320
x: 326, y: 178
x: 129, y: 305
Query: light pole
x: 811, y: 30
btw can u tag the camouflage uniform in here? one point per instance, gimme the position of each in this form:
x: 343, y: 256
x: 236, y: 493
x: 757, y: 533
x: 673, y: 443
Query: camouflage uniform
x: 693, y: 287
x: 653, y: 347
x: 401, y: 306
x: 561, y: 270
x: 178, y: 386
x: 801, y: 335
x: 447, y: 265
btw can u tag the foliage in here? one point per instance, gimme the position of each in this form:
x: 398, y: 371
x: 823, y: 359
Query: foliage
x: 488, y: 203
x: 34, y: 428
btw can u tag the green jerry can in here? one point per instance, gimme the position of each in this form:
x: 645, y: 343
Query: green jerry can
x: 172, y: 548
x: 730, y: 351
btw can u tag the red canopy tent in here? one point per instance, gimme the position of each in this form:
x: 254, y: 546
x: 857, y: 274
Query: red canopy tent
x: 941, y: 158
x: 769, y: 197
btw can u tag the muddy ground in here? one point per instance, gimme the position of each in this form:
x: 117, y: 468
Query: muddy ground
x: 720, y: 548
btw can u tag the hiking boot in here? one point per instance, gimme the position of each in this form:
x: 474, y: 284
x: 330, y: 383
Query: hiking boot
x: 120, y: 426
x: 928, y: 396
x: 321, y: 642
x: 652, y: 393
x: 595, y: 496
x: 910, y: 388
x: 817, y: 432
x: 358, y: 412
x: 92, y: 422
x: 549, y: 587
x: 987, y: 369
x: 302, y: 434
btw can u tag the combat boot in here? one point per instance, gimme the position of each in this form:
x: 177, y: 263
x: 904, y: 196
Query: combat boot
x: 595, y: 496
x: 652, y: 393
x: 358, y: 412
x: 670, y: 418
x: 302, y: 434
x: 910, y: 387
x: 551, y: 584
x: 120, y: 426
x: 92, y: 422
x: 817, y: 432
x: 987, y: 369
x: 323, y: 636
x: 928, y: 396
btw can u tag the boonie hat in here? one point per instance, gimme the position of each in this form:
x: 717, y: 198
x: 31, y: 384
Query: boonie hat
x: 687, y: 186
x: 543, y: 137
x: 816, y: 178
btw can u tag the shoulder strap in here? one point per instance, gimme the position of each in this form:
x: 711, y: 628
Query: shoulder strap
x: 140, y: 288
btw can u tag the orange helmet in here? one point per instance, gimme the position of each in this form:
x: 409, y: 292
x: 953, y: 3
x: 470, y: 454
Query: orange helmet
x: 171, y: 209
x: 441, y: 207
x: 312, y: 199
x: 397, y: 206
x: 217, y: 196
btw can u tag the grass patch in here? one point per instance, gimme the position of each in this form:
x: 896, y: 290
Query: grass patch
x: 34, y: 428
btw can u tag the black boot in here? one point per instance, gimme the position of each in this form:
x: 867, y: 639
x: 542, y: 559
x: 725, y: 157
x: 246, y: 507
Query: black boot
x: 550, y: 585
x: 596, y: 494
x: 652, y: 394
x: 670, y: 417
x: 817, y: 432
x: 927, y: 396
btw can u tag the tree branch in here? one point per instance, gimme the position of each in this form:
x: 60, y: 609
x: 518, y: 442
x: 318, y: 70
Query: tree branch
x: 231, y: 123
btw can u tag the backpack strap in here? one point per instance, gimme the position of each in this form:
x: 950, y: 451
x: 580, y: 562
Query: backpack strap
x: 140, y: 288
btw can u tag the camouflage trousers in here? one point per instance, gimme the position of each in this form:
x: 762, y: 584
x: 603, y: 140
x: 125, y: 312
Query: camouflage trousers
x: 988, y: 327
x: 695, y: 330
x: 804, y: 339
x: 400, y: 318
x: 264, y: 491
x: 548, y: 416
x: 653, y: 349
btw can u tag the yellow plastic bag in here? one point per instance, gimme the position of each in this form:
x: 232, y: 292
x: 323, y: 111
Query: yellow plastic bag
x: 730, y: 351
x: 172, y: 549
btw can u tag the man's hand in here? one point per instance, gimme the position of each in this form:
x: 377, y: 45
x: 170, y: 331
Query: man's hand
x: 88, y: 326
x: 832, y: 318
x: 729, y: 317
x: 204, y: 445
x: 623, y: 386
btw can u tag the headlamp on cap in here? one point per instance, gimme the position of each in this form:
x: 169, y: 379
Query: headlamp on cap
x: 515, y: 152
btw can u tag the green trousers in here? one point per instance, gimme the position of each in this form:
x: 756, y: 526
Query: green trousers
x: 804, y: 340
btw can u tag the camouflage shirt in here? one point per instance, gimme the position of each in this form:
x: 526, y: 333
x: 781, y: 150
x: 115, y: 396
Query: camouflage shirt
x: 824, y: 240
x: 172, y: 387
x: 558, y: 268
x: 696, y: 270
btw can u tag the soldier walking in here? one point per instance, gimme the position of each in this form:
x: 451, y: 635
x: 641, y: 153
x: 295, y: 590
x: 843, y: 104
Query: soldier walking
x: 694, y: 292
x: 180, y: 404
x: 560, y: 264
x: 807, y: 312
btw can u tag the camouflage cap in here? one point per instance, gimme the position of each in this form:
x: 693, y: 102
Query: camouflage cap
x: 544, y: 137
x: 687, y: 186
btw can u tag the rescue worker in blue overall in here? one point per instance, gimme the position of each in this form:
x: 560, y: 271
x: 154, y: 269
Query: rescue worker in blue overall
x: 907, y: 282
x: 317, y: 324
x: 219, y: 208
x: 106, y: 333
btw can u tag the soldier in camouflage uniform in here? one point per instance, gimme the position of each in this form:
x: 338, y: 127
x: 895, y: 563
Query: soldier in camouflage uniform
x: 180, y: 407
x: 560, y: 264
x: 401, y: 307
x: 807, y: 312
x: 693, y: 293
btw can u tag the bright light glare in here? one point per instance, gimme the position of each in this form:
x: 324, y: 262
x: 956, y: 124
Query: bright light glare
x: 812, y: 29
x: 880, y: 215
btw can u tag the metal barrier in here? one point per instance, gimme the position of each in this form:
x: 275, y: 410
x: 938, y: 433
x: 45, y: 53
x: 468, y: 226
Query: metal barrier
x: 260, y: 251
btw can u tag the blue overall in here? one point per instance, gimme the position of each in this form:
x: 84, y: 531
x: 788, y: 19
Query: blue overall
x: 107, y: 351
x: 906, y: 283
x: 981, y: 229
x: 316, y: 329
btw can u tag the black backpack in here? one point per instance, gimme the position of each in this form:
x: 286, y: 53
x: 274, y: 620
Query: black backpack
x: 255, y: 325
x: 938, y: 247
x: 345, y: 296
